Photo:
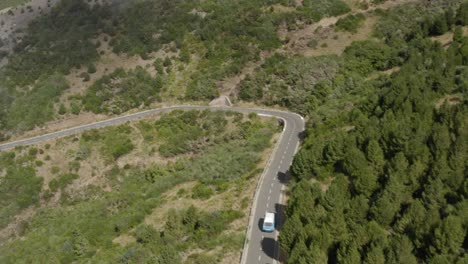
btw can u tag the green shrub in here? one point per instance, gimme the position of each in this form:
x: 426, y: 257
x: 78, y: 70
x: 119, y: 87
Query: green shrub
x: 62, y: 110
x: 55, y: 170
x: 179, y: 131
x: 75, y: 107
x: 37, y: 106
x: 201, y: 191
x: 315, y: 10
x: 62, y: 181
x: 113, y: 142
x: 145, y: 234
x: 33, y: 151
x: 91, y: 68
x: 203, y: 89
x: 167, y: 62
x: 19, y: 189
x: 313, y: 43
x: 121, y: 91
x: 350, y: 23
x: 74, y: 166
x: 158, y: 66
x: 367, y: 56
x: 297, y: 82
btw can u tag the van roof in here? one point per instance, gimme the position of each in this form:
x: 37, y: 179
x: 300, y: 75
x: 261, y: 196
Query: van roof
x: 269, y: 217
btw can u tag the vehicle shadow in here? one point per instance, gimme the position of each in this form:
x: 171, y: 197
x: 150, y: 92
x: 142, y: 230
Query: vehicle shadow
x: 260, y: 224
x: 270, y: 248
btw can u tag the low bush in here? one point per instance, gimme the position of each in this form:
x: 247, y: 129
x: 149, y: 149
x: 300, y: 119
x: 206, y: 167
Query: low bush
x: 19, y: 189
x: 62, y: 181
x: 201, y: 191
x: 36, y: 106
x: 350, y: 23
x: 121, y: 91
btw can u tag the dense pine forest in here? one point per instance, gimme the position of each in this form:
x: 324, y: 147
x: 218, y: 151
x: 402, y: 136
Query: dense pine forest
x: 387, y: 181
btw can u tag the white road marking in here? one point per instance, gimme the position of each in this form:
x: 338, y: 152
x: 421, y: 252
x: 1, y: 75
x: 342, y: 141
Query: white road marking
x: 270, y: 190
x: 259, y: 257
x: 269, y: 197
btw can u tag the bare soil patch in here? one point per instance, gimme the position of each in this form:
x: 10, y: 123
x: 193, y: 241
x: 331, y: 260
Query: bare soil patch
x: 447, y: 38
x: 452, y: 99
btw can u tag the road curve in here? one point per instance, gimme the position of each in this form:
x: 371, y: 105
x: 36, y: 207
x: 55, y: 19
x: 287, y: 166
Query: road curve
x: 259, y: 247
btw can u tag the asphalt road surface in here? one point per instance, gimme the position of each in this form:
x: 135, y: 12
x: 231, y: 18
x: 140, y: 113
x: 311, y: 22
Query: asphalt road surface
x: 260, y: 247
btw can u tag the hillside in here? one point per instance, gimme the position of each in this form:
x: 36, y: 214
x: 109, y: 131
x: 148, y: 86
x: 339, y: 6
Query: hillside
x: 165, y: 191
x: 177, y: 42
x: 381, y: 176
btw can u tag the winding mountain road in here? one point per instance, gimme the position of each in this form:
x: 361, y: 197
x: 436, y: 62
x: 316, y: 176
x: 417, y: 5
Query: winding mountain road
x: 259, y: 247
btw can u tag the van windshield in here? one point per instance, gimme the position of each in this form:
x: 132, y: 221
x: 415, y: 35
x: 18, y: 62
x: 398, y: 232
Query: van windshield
x: 268, y: 224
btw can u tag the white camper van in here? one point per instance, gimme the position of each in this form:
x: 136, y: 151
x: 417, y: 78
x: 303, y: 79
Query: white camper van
x: 269, y: 222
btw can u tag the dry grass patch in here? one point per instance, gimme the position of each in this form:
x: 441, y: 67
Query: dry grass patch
x: 124, y: 240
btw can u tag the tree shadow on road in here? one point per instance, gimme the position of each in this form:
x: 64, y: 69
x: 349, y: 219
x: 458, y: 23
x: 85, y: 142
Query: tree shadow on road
x: 280, y: 210
x: 302, y: 135
x: 284, y: 177
x: 270, y: 248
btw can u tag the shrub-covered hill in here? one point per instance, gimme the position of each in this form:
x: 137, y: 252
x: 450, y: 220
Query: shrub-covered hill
x: 385, y: 181
x: 174, y: 190
x: 214, y: 39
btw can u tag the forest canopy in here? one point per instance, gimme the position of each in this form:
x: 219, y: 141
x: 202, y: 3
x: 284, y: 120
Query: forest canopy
x: 386, y: 181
